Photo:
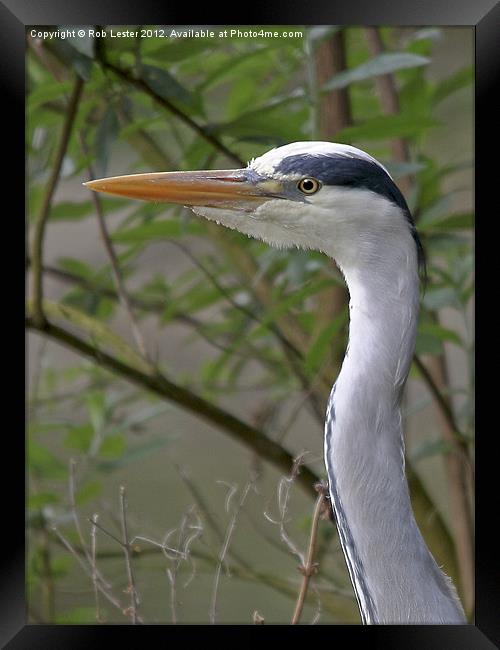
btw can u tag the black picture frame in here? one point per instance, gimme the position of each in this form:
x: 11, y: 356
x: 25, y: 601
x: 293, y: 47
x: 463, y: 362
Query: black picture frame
x: 481, y: 15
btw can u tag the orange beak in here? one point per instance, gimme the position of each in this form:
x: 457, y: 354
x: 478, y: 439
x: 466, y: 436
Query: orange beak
x: 230, y: 188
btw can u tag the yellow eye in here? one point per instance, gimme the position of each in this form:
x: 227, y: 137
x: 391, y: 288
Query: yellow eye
x: 308, y: 185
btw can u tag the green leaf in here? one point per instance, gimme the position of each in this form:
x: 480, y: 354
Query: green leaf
x: 77, y: 615
x: 320, y: 348
x: 134, y: 454
x: 398, y: 169
x: 460, y: 79
x: 459, y: 221
x: 430, y: 338
x: 96, y: 404
x: 81, y: 63
x: 172, y: 51
x: 71, y: 211
x: 165, y: 85
x: 382, y: 64
x: 43, y: 463
x: 253, y: 62
x: 289, y: 301
x: 112, y: 446
x: 79, y: 437
x: 76, y: 267
x: 47, y: 92
x: 431, y: 448
x: 386, y: 126
x: 44, y: 427
x: 105, y: 137
x: 164, y: 229
x: 37, y: 501
x: 99, y: 334
x: 442, y: 297
x: 266, y: 124
x: 88, y: 492
x: 137, y: 418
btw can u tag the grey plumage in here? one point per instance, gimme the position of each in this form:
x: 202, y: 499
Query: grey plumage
x: 351, y: 210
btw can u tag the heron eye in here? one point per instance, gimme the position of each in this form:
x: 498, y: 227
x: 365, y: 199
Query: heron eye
x: 308, y: 185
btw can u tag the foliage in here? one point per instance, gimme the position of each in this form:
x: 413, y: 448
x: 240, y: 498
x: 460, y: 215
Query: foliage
x: 183, y: 104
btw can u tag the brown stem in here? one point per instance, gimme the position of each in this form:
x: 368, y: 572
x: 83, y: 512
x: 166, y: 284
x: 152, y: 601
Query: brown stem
x: 309, y: 568
x: 334, y: 114
x: 39, y: 227
x: 389, y: 99
x: 134, y: 601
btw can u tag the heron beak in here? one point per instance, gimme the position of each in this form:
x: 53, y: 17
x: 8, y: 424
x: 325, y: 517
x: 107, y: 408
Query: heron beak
x: 231, y: 188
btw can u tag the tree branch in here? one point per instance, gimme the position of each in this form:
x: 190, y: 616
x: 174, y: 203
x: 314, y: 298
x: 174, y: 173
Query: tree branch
x: 309, y: 567
x: 163, y: 387
x: 39, y: 228
x: 171, y: 108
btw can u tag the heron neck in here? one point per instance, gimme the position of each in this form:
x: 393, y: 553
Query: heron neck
x: 394, y: 576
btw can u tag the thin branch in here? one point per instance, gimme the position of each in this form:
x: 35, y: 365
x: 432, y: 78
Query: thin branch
x: 284, y: 489
x: 227, y: 295
x: 341, y: 605
x: 309, y: 567
x: 201, y: 131
x: 93, y: 558
x: 76, y: 518
x: 183, y: 554
x: 222, y: 555
x: 105, y: 592
x: 39, y: 227
x: 115, y: 265
x: 156, y: 306
x: 134, y: 600
x: 460, y: 442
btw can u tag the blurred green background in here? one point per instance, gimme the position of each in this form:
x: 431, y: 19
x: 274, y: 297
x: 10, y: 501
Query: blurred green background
x: 164, y: 294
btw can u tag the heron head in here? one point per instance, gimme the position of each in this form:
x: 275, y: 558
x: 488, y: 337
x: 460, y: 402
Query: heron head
x: 319, y: 195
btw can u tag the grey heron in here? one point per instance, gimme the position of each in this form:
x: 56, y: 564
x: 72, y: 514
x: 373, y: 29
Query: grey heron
x: 339, y: 200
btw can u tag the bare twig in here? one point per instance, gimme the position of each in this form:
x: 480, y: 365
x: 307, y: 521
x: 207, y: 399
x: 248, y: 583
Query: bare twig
x: 222, y: 555
x: 308, y: 568
x: 284, y: 488
x: 185, y: 539
x: 257, y: 618
x: 103, y: 590
x: 76, y: 518
x: 93, y: 559
x: 188, y: 533
x: 131, y: 589
x: 39, y: 227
